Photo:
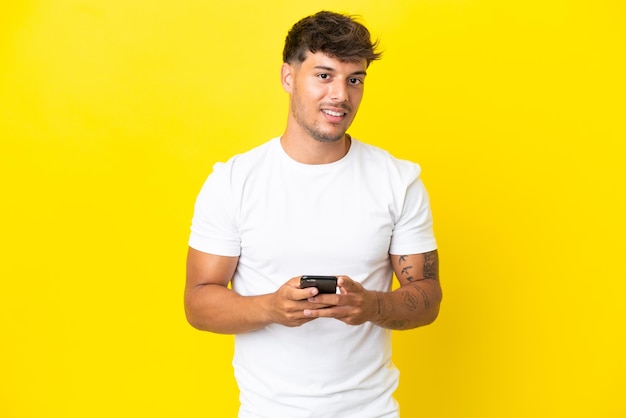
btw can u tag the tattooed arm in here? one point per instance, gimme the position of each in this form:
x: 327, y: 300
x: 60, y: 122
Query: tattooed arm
x: 413, y: 304
x: 416, y: 302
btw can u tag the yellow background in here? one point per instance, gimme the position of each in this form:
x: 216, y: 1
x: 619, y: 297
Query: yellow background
x: 113, y: 112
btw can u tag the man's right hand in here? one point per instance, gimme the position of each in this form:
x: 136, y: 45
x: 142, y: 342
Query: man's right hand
x: 287, y: 304
x: 210, y: 305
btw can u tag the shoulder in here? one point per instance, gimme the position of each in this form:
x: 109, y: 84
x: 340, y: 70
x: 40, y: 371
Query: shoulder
x: 379, y: 159
x: 244, y: 163
x: 231, y: 174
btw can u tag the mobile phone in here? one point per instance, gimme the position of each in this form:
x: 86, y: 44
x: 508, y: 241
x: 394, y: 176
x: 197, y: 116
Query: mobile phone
x: 325, y: 284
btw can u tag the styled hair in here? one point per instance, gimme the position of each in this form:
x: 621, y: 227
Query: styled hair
x: 337, y: 35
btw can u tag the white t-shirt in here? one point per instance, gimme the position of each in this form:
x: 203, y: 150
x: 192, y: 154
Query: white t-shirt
x: 285, y: 219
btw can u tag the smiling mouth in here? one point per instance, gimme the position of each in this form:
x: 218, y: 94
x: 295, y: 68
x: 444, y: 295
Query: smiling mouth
x: 333, y: 113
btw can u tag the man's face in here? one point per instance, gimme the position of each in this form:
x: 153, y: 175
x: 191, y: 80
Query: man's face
x: 325, y: 95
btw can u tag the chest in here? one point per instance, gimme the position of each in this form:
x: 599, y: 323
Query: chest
x: 326, y: 221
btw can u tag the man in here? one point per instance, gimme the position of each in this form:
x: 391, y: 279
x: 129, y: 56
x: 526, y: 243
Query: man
x: 314, y: 201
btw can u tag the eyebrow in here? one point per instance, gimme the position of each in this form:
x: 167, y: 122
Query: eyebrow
x: 330, y: 69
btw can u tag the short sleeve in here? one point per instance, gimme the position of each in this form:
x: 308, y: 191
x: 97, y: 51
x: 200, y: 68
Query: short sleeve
x: 413, y: 231
x: 214, y: 227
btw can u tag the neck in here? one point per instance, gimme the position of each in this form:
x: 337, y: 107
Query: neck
x: 306, y: 150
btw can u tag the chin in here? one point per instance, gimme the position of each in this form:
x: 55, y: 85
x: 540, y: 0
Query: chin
x: 328, y: 137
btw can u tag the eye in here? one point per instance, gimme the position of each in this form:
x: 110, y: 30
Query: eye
x: 355, y: 81
x: 323, y: 76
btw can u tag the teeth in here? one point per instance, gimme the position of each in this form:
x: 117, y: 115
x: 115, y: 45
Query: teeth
x: 333, y: 113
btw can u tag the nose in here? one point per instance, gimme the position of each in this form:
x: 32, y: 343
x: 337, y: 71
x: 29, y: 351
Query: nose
x: 338, y: 91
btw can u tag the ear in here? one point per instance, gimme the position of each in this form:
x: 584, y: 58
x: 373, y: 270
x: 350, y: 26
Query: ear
x: 287, y: 77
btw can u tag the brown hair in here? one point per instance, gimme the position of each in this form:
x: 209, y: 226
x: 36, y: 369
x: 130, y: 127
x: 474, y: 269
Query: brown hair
x: 339, y: 36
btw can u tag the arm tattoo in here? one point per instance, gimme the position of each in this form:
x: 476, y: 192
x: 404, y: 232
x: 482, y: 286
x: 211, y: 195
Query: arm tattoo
x: 425, y: 297
x: 431, y: 265
x: 415, y: 297
x: 396, y: 324
x: 405, y: 269
x: 411, y: 301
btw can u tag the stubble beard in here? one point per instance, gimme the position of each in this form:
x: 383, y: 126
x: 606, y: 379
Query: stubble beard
x: 313, y: 129
x: 322, y: 136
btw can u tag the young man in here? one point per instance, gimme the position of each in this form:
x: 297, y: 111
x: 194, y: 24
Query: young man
x: 314, y: 202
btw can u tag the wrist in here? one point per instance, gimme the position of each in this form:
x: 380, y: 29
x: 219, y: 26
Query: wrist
x: 378, y: 308
x: 265, y: 308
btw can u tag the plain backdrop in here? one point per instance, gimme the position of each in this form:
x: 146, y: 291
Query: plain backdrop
x: 113, y: 112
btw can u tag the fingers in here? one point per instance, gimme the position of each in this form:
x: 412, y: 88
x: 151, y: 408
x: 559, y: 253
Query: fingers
x: 353, y: 305
x: 345, y: 284
x: 346, y: 287
x: 302, y: 294
x: 289, y: 302
x: 296, y: 293
x: 304, y: 305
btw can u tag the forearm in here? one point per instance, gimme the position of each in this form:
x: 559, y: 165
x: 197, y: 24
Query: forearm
x: 412, y: 305
x: 216, y: 308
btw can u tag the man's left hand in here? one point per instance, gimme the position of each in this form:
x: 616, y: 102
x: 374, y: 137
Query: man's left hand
x: 353, y: 305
